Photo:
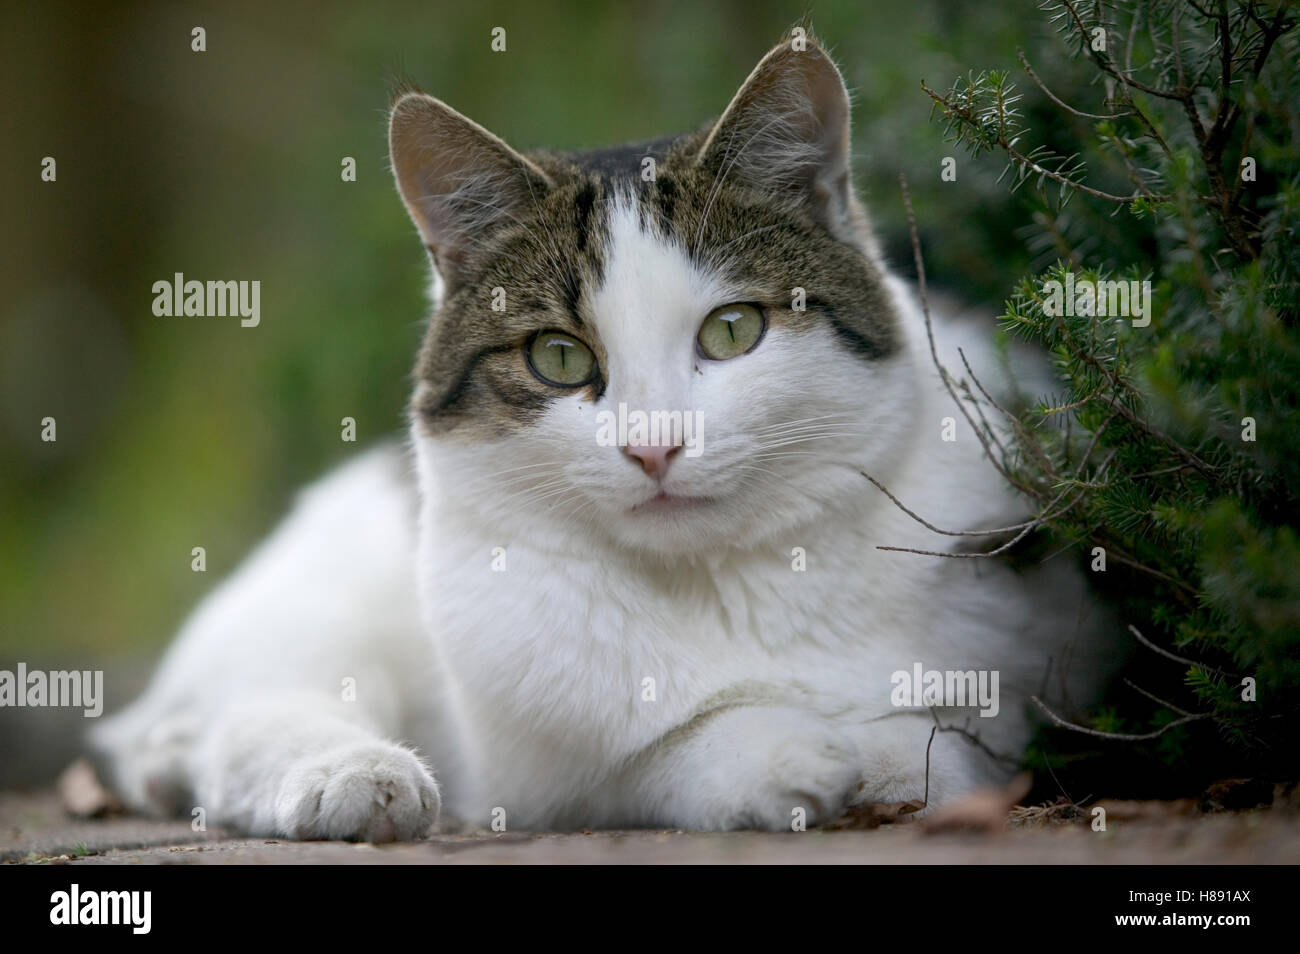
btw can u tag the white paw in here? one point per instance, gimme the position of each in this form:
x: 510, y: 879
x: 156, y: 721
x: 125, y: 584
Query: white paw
x: 374, y: 791
x: 817, y: 775
x: 771, y: 767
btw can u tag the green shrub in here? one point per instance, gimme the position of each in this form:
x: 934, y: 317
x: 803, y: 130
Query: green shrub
x: 1175, y: 445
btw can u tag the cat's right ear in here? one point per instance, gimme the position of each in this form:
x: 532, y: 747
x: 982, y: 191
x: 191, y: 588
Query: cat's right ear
x: 456, y: 178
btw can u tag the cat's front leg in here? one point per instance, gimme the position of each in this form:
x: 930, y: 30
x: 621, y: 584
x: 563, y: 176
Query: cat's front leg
x: 745, y: 767
x: 308, y: 767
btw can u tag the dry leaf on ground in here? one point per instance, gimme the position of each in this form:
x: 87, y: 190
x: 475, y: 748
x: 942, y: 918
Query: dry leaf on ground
x: 82, y: 794
x: 985, y: 810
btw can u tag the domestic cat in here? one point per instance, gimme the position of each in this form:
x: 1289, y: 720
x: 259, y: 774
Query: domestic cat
x: 524, y: 625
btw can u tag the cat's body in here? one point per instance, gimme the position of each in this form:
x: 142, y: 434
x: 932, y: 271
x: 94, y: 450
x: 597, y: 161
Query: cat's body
x: 573, y: 634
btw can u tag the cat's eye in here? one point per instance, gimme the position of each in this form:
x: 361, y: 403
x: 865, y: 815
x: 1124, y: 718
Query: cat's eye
x: 730, y: 331
x: 560, y: 359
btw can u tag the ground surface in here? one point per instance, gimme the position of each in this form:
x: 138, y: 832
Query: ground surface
x: 34, y: 828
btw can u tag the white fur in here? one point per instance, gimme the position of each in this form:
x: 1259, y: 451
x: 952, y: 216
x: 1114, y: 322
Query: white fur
x: 523, y: 688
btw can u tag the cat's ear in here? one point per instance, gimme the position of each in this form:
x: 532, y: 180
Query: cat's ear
x: 787, y: 129
x: 456, y: 178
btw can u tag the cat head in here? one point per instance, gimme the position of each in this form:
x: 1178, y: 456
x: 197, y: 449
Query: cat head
x: 675, y: 346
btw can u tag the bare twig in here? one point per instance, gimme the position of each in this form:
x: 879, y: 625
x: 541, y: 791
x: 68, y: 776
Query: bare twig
x: 1031, y: 446
x: 1178, y: 659
x: 996, y: 551
x: 1056, y: 99
x: 1042, y: 519
x: 1117, y: 736
x: 1154, y: 698
x: 995, y: 532
x: 926, y: 799
x: 1118, y: 555
x: 970, y: 737
x: 934, y: 353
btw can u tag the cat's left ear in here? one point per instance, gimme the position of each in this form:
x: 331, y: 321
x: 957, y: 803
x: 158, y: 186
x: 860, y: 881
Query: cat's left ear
x: 787, y: 130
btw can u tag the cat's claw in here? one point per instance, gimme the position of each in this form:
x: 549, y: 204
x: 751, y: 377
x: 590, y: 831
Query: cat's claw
x: 375, y: 792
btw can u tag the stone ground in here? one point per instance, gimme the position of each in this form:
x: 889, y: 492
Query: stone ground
x: 34, y: 828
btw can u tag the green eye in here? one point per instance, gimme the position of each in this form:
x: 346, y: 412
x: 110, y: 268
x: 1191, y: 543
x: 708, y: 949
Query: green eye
x: 560, y: 359
x: 730, y: 331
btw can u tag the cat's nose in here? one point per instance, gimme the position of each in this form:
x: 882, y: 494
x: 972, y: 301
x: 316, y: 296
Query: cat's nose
x: 654, y: 459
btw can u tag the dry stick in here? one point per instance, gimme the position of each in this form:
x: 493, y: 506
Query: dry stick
x: 926, y: 800
x: 1117, y: 736
x: 1051, y: 771
x: 996, y: 531
x: 1162, y: 470
x: 934, y: 353
x: 1015, y: 422
x: 1178, y: 659
x: 996, y: 551
x: 988, y: 397
x: 1057, y: 100
x: 1116, y: 554
x: 984, y: 421
x: 984, y: 554
x: 1043, y: 518
x: 1154, y: 698
x: 972, y: 738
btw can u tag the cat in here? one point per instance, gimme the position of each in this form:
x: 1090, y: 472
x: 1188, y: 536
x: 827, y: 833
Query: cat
x: 517, y: 625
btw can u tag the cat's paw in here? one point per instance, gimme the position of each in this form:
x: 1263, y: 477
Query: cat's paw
x: 375, y: 791
x: 769, y: 768
x: 806, y: 779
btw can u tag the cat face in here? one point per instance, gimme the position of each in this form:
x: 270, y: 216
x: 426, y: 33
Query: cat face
x: 672, y: 347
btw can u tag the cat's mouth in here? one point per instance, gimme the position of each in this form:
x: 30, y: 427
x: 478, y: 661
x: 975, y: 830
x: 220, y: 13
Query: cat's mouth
x: 670, y: 503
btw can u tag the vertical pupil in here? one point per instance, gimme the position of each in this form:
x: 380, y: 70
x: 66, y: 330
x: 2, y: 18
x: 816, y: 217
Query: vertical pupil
x: 731, y: 328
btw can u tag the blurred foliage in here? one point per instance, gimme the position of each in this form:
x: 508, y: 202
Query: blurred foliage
x: 1173, y: 443
x: 175, y: 433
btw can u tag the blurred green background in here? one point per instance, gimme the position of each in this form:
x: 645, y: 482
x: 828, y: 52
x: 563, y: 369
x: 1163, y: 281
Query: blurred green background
x: 183, y: 432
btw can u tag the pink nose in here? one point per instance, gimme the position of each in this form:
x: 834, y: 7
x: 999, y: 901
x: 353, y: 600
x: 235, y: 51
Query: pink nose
x: 654, y: 460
